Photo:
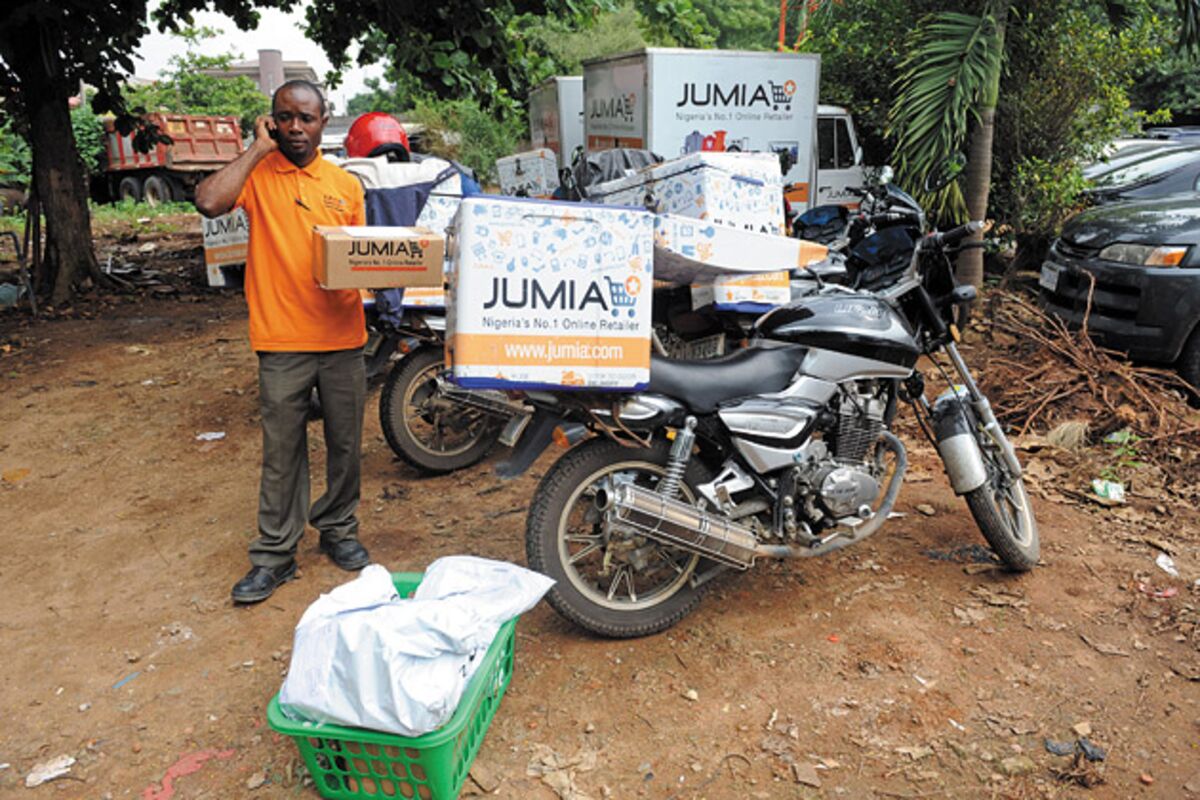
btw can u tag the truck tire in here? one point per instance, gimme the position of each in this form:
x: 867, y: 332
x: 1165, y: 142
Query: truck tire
x: 178, y: 190
x: 130, y: 188
x: 156, y: 191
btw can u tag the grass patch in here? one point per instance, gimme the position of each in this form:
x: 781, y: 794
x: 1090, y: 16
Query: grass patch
x: 141, y: 217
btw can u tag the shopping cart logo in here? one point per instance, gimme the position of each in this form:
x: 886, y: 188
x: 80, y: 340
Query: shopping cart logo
x: 782, y: 94
x: 772, y: 95
x: 624, y: 294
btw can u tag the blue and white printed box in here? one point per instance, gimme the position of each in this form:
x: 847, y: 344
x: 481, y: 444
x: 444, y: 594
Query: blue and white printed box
x: 531, y: 174
x: 740, y: 190
x: 548, y: 294
x: 437, y: 214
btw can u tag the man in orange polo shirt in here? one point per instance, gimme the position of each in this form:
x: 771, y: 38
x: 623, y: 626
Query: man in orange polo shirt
x: 305, y: 336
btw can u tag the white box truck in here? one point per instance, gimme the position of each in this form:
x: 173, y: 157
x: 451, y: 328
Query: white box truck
x: 556, y: 116
x: 675, y: 101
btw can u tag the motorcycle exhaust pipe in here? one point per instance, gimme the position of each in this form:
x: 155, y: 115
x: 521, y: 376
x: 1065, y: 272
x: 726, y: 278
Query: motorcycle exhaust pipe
x: 676, y: 523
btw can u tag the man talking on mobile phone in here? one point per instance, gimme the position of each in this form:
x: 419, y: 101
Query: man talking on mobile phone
x: 305, y: 336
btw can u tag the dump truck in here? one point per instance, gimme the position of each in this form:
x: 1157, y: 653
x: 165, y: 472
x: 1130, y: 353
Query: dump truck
x: 201, y: 144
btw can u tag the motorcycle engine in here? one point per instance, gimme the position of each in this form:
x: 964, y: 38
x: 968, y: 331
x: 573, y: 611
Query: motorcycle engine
x: 839, y: 476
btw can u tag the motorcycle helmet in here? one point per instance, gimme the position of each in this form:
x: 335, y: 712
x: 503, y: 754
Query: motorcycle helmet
x: 377, y: 134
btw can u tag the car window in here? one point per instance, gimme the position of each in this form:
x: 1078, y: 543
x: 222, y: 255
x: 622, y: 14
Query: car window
x: 1153, y: 167
x: 845, y: 152
x: 826, y: 149
x: 1126, y: 156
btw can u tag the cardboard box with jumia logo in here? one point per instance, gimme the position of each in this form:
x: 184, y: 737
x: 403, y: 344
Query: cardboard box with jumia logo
x: 547, y: 294
x: 377, y: 257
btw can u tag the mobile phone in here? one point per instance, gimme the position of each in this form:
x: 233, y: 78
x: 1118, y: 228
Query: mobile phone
x: 273, y: 132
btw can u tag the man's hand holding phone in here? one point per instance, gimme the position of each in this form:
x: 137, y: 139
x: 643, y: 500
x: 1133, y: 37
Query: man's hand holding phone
x: 266, y: 132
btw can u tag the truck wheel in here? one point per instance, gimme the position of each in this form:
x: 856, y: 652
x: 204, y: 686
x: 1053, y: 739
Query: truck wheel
x: 178, y: 191
x: 130, y: 188
x: 156, y: 191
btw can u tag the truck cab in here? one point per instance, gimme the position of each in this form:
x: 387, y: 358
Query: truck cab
x: 839, y: 157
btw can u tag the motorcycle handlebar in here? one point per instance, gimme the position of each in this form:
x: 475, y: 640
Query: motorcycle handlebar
x: 888, y: 217
x: 954, y: 235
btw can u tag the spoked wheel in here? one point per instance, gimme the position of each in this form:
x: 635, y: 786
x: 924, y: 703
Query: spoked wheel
x: 429, y: 431
x: 609, y: 579
x: 1003, y: 512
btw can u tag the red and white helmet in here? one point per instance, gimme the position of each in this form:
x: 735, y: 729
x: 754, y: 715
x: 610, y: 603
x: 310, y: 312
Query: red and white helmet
x: 377, y: 134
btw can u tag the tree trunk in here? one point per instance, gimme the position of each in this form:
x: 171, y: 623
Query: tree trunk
x: 969, y: 268
x: 58, y: 175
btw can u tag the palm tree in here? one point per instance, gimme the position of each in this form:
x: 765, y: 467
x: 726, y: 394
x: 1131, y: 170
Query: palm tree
x: 947, y: 91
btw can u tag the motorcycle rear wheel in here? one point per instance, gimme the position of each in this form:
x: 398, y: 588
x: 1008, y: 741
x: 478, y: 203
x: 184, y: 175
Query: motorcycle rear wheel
x: 428, y: 431
x: 609, y: 581
x: 1004, y: 514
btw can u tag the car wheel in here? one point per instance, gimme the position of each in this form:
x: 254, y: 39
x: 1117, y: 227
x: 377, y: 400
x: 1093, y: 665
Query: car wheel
x: 1188, y: 365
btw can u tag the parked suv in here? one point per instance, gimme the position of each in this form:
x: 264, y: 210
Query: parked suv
x: 1146, y: 261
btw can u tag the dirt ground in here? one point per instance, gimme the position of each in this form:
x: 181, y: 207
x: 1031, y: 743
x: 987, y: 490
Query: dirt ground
x: 903, y: 668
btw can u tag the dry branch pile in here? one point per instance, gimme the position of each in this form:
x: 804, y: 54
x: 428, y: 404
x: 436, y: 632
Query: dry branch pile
x: 1039, y: 374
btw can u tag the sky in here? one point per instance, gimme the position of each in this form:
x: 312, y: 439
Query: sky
x: 276, y: 30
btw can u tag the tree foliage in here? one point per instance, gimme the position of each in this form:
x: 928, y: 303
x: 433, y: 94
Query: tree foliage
x: 1067, y: 95
x: 1070, y: 84
x: 748, y: 25
x: 89, y: 138
x: 861, y: 54
x: 15, y: 159
x: 566, y: 43
x: 464, y: 131
x: 477, y: 130
x: 949, y: 73
x: 184, y: 88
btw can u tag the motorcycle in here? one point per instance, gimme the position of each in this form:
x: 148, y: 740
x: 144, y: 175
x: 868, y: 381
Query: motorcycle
x: 437, y: 427
x: 783, y: 449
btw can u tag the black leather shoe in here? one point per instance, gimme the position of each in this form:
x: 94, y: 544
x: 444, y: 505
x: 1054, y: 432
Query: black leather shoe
x: 261, y: 582
x: 349, y: 554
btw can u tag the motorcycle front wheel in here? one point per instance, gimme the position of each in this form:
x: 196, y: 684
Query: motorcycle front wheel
x: 1003, y: 512
x: 608, y: 578
x: 427, y: 430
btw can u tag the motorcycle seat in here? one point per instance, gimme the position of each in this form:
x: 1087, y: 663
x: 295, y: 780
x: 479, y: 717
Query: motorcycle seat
x: 702, y: 385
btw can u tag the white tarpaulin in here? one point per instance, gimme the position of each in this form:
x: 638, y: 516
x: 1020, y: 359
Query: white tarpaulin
x: 364, y: 657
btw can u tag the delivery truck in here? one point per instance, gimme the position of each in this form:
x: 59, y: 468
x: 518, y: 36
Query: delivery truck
x: 676, y: 101
x: 556, y: 116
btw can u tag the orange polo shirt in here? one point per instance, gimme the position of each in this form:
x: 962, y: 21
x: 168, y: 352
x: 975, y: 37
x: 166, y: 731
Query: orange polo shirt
x: 289, y: 311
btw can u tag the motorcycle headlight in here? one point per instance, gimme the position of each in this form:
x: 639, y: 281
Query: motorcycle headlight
x: 1145, y: 255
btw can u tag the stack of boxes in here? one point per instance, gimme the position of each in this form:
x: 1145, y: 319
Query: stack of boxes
x: 549, y: 294
x: 729, y: 190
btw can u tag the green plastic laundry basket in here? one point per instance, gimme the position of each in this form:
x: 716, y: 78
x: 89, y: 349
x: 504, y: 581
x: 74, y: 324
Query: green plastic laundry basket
x: 356, y: 763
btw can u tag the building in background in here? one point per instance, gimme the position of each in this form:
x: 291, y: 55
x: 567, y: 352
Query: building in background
x: 269, y: 71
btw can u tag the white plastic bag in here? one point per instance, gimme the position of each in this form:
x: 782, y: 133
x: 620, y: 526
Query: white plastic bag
x: 364, y: 657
